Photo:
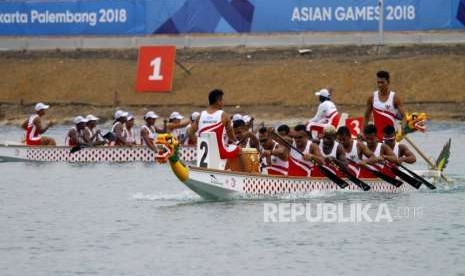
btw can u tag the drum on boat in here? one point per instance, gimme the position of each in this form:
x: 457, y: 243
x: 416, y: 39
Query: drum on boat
x: 246, y: 161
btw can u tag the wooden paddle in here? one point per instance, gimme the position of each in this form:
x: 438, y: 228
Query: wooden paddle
x: 327, y: 172
x: 385, y: 177
x: 427, y: 184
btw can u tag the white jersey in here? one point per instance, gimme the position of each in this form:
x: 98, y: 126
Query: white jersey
x: 326, y: 110
x: 114, y: 126
x: 396, y: 150
x: 32, y: 134
x: 80, y: 135
x: 213, y: 123
x: 180, y: 134
x: 277, y: 166
x: 387, y: 106
x: 353, y: 153
x: 333, y: 152
x: 377, y: 151
x: 91, y: 133
x: 129, y: 135
x: 152, y: 134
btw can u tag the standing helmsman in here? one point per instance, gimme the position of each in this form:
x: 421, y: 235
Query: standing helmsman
x: 214, y: 119
x: 384, y: 104
x: 34, y: 129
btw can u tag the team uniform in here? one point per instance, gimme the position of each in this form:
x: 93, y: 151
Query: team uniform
x: 152, y: 134
x: 129, y: 135
x: 297, y: 165
x: 327, y: 114
x: 80, y: 135
x: 213, y: 123
x: 33, y: 136
x: 277, y: 166
x: 384, y: 113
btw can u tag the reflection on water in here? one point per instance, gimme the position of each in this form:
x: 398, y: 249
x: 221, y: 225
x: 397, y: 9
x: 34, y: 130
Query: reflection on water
x: 137, y: 219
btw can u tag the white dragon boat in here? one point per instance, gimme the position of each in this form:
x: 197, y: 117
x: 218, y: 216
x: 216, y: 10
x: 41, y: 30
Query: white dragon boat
x: 109, y: 154
x: 219, y: 184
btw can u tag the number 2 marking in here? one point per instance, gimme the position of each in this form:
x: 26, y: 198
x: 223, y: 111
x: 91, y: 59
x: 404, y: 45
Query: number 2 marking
x: 156, y: 65
x: 204, y: 147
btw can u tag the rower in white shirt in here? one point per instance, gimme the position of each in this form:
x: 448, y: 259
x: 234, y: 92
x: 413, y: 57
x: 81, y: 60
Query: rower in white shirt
x: 326, y: 114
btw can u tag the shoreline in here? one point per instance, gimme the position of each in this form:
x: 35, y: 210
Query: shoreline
x: 63, y: 114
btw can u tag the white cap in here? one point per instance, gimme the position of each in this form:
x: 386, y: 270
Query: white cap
x: 236, y: 117
x: 324, y: 93
x: 130, y: 117
x: 120, y: 113
x: 150, y: 114
x: 246, y: 118
x: 41, y: 106
x: 91, y: 117
x: 80, y: 119
x: 176, y: 115
x: 195, y: 115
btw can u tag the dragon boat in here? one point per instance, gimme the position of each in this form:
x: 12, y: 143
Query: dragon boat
x: 210, y: 180
x: 100, y: 154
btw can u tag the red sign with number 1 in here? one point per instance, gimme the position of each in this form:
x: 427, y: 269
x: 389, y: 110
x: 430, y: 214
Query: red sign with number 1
x: 155, y: 68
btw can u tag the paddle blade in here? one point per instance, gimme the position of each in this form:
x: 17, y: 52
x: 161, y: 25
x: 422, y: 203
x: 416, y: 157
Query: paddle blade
x: 75, y: 149
x: 443, y: 158
x: 329, y: 174
x: 407, y: 178
x: 385, y: 177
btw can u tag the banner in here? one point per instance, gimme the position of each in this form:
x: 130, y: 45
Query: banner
x: 143, y: 17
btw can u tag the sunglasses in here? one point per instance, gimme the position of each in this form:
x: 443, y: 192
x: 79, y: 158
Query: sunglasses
x: 262, y: 141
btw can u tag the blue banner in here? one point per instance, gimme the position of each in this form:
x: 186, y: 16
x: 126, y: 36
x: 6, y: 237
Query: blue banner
x: 142, y: 17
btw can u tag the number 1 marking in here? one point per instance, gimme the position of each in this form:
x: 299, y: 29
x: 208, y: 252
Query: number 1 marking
x: 156, y: 64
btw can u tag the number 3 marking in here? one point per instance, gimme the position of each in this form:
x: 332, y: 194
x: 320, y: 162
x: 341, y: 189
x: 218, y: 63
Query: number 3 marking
x: 356, y: 126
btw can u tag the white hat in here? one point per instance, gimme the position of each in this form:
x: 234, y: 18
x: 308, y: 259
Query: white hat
x: 246, y: 118
x: 176, y: 115
x: 195, y: 115
x: 236, y: 117
x: 150, y: 114
x: 120, y: 113
x: 323, y: 92
x: 80, y: 119
x: 41, y: 106
x: 91, y: 117
x: 130, y: 117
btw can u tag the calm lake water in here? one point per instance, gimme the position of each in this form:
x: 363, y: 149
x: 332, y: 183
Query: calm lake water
x: 138, y: 219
